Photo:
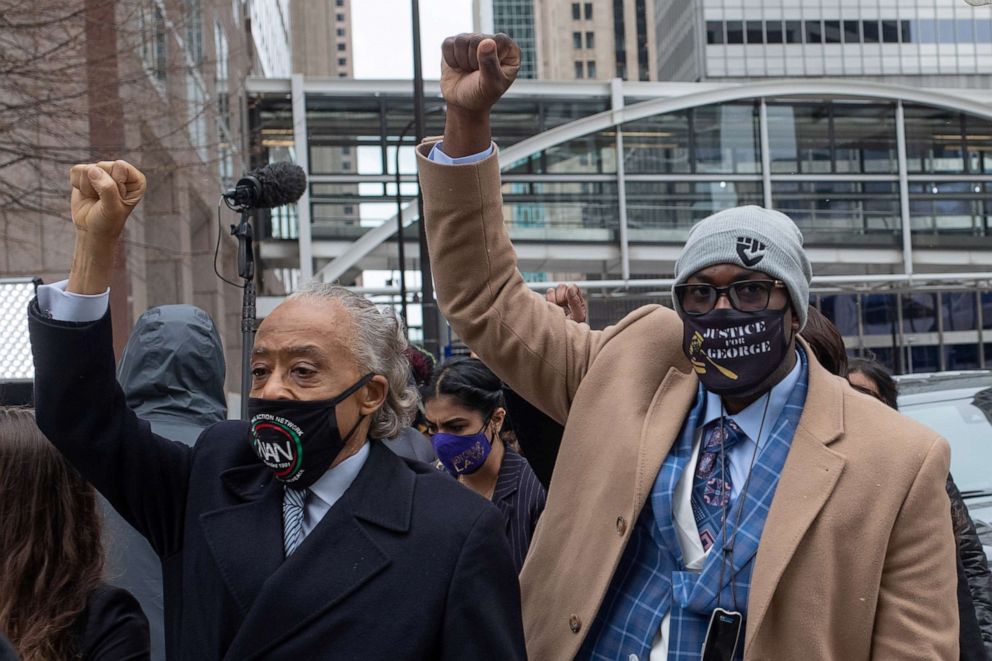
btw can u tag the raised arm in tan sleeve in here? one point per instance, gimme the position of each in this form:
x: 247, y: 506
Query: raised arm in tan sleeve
x: 523, y: 338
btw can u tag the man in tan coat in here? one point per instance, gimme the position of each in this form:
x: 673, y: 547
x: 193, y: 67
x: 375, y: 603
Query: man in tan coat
x: 716, y: 486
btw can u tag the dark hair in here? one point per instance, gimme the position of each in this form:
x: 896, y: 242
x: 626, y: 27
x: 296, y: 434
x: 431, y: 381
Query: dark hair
x: 826, y: 342
x: 470, y: 382
x: 888, y: 391
x: 51, y: 557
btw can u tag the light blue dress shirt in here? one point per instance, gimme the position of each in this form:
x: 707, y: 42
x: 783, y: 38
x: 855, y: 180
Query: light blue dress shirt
x: 439, y: 156
x: 749, y: 420
x: 55, y: 302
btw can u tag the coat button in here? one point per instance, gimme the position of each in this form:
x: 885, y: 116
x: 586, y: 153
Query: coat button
x: 574, y: 623
x: 621, y: 526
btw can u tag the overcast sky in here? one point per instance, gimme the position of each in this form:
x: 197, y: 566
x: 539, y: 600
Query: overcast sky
x: 381, y: 35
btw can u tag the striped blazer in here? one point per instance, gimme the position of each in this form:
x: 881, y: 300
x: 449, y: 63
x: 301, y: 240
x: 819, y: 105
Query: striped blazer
x: 520, y: 498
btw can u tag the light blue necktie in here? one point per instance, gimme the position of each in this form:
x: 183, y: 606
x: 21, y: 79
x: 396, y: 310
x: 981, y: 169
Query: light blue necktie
x: 293, y: 510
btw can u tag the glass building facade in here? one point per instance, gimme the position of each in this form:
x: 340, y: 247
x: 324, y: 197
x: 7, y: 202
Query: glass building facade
x: 878, y: 185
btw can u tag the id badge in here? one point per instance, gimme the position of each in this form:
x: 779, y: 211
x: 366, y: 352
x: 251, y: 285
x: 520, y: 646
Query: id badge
x: 722, y: 635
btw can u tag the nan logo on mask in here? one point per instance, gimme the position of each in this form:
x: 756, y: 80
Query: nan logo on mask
x: 751, y: 251
x: 278, y: 443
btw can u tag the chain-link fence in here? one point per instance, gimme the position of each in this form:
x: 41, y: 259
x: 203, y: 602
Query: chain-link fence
x: 15, y: 347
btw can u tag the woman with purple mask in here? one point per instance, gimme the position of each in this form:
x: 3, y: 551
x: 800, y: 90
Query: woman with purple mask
x: 465, y: 413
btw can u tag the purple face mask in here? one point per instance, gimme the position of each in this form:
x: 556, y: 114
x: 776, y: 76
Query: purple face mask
x: 462, y: 455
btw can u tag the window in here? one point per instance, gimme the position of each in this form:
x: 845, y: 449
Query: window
x: 773, y: 32
x: 793, y: 32
x: 576, y: 11
x: 588, y: 11
x: 342, y: 61
x: 339, y: 3
x: 341, y: 47
x: 983, y: 32
x: 890, y: 32
x: 590, y: 40
x: 735, y: 32
x: 852, y: 32
x: 945, y: 32
x: 966, y: 33
x: 814, y: 32
x: 869, y: 29
x: 576, y: 40
x: 831, y: 32
x: 342, y: 74
x: 714, y: 32
x: 591, y: 69
x: 340, y: 17
x: 579, y: 75
x: 346, y: 166
x: 905, y: 32
x: 755, y: 32
x: 340, y: 32
x: 194, y: 30
x: 153, y: 42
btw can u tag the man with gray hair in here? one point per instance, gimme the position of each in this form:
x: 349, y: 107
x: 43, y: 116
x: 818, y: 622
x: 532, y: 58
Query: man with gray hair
x: 718, y: 493
x: 296, y: 534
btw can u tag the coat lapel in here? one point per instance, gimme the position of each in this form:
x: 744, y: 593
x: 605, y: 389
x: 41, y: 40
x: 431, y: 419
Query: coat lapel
x: 337, y: 558
x: 661, y: 427
x: 808, y: 478
x: 257, y: 515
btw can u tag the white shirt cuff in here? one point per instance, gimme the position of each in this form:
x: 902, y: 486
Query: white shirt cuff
x: 439, y: 156
x: 61, y: 305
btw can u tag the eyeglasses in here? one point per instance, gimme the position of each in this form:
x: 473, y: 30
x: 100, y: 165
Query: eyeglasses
x: 745, y: 295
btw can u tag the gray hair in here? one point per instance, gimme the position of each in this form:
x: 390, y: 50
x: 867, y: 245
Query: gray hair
x: 378, y: 347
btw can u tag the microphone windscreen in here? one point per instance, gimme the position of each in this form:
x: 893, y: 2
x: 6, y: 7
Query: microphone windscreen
x: 976, y: 3
x: 282, y: 183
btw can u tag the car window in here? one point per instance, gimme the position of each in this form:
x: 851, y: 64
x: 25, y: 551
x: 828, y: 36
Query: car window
x: 970, y: 435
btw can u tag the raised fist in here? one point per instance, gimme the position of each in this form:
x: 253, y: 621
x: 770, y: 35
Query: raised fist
x: 476, y: 69
x: 569, y: 298
x: 103, y: 196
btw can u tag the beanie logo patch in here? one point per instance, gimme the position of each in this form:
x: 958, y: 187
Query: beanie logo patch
x: 751, y: 251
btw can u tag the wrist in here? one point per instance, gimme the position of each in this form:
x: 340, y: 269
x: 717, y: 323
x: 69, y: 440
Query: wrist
x: 466, y: 132
x: 92, y: 266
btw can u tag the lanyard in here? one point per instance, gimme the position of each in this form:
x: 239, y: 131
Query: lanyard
x: 728, y: 545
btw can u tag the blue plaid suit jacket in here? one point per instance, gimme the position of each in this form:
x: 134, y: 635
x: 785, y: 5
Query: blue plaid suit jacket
x: 651, y: 579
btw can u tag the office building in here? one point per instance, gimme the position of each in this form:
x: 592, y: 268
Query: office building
x: 567, y: 40
x: 159, y: 85
x: 924, y: 42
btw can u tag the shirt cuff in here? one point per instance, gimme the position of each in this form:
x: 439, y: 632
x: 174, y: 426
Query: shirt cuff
x: 439, y: 156
x: 61, y: 305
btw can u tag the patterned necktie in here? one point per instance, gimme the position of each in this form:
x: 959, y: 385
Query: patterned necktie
x: 711, y: 490
x: 293, y: 510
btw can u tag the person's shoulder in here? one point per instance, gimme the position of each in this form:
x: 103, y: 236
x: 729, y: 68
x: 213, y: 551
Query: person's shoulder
x: 113, y: 625
x: 228, y: 437
x: 439, y: 497
x: 878, y: 429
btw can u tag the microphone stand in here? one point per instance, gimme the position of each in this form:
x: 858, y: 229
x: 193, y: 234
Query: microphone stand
x: 246, y: 270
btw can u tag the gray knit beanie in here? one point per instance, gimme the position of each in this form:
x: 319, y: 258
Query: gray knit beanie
x: 754, y: 238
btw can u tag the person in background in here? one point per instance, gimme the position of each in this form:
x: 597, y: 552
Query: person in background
x: 54, y: 604
x: 7, y: 652
x: 974, y: 578
x: 465, y: 412
x: 826, y: 342
x: 410, y: 442
x: 172, y: 374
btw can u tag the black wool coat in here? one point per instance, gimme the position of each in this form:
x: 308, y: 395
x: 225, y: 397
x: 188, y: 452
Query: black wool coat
x: 408, y: 564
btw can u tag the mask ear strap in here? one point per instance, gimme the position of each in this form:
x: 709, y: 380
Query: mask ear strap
x: 352, y: 390
x: 345, y: 395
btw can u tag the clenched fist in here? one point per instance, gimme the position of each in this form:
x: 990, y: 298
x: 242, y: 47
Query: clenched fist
x: 103, y: 195
x: 476, y: 69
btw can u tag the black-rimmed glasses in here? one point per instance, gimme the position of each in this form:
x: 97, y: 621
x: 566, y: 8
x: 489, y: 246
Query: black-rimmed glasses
x: 744, y: 295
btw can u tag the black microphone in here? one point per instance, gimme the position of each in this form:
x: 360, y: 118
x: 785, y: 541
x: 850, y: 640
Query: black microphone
x: 274, y: 185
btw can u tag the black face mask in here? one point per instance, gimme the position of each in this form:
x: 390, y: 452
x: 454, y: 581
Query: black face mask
x: 298, y: 440
x: 733, y: 351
